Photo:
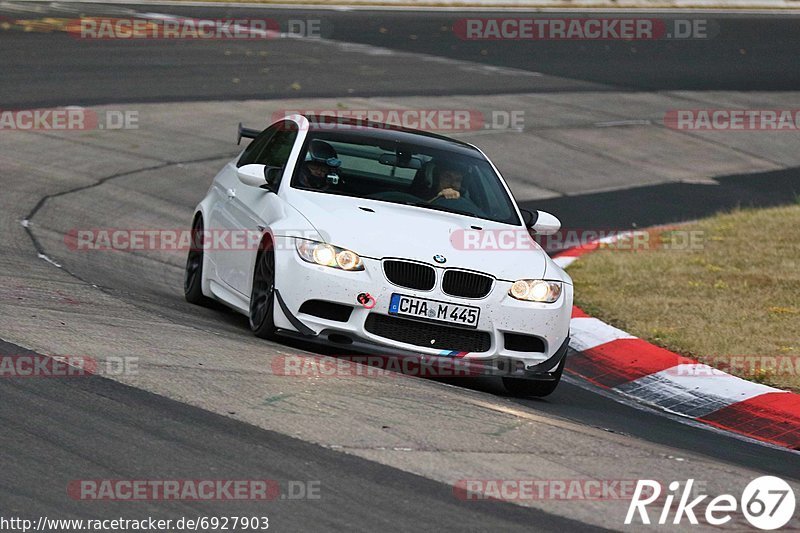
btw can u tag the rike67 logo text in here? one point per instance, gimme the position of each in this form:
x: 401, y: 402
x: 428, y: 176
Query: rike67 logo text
x: 767, y: 502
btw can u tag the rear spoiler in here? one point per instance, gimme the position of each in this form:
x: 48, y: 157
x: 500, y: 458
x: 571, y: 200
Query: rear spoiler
x: 248, y: 133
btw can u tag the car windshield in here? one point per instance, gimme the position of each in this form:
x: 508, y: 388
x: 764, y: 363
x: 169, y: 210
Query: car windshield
x: 418, y: 175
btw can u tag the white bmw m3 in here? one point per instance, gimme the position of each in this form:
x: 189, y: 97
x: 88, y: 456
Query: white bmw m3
x: 373, y: 237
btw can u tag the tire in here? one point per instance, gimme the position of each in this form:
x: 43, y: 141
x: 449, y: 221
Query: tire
x: 530, y: 387
x: 193, y: 274
x: 262, y: 296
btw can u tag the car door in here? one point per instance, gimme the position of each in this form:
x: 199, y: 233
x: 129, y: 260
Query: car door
x: 221, y: 218
x: 249, y: 210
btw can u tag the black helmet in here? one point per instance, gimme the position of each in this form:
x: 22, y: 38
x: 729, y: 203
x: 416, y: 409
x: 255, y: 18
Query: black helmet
x: 322, y: 152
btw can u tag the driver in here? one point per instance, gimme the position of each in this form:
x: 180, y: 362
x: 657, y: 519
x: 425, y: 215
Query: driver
x: 320, y: 162
x: 450, y: 177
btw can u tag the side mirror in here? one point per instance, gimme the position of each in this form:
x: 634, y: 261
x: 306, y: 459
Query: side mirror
x: 260, y: 176
x: 541, y: 222
x: 252, y: 175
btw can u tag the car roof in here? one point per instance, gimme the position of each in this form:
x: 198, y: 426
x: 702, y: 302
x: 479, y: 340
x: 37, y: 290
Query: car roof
x: 368, y: 130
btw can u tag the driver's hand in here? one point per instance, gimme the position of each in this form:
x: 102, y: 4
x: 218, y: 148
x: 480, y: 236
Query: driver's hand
x: 450, y: 194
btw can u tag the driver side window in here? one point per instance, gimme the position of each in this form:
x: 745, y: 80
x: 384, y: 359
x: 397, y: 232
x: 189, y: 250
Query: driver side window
x: 272, y: 147
x: 253, y: 152
x: 277, y: 150
x: 279, y: 147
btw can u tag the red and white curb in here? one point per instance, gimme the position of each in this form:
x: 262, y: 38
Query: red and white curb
x: 613, y: 359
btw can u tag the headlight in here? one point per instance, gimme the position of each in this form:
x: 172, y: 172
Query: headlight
x: 326, y: 255
x: 536, y: 290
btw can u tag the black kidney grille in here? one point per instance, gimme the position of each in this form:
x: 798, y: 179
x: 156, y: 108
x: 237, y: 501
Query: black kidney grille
x: 410, y: 275
x: 422, y: 333
x: 466, y: 284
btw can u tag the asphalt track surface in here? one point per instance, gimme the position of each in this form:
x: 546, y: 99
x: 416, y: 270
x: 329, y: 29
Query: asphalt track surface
x: 749, y: 53
x: 104, y: 428
x: 673, y: 202
x: 98, y: 428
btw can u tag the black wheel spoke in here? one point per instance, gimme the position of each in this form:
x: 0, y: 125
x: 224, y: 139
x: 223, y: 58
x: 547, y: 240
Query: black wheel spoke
x: 192, y: 268
x: 192, y: 278
x: 261, y: 299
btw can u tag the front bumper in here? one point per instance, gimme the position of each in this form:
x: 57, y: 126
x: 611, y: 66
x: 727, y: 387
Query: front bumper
x: 298, y: 281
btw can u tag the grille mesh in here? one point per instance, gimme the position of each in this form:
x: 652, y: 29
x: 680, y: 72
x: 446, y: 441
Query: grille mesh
x: 466, y: 284
x: 421, y: 333
x: 410, y: 275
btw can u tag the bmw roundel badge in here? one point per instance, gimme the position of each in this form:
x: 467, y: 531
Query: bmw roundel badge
x: 439, y: 258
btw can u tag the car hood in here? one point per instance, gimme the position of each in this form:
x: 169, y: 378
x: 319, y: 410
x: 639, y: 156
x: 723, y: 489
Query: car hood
x: 378, y: 230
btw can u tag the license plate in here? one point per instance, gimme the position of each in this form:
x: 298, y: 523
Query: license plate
x: 434, y: 311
